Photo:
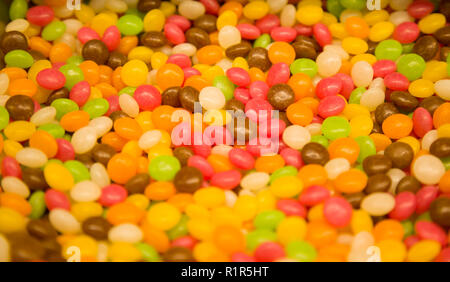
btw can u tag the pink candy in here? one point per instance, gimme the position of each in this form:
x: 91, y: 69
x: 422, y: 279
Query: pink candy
x: 347, y: 84
x: 258, y: 109
x: 147, y: 97
x: 51, y: 79
x: 406, y: 32
x: 291, y: 207
x: 269, y: 251
x: 40, y: 15
x: 65, y: 150
x: 322, y: 34
x: 80, y: 93
x: 278, y: 73
x: 180, y: 21
x: 238, y: 76
x: 396, y: 81
x: 420, y: 9
x: 331, y: 106
x: 226, y: 180
x: 242, y: 94
x: 10, y: 167
x: 112, y: 194
x: 181, y: 60
x: 201, y: 164
x: 430, y: 231
x: 267, y: 23
x: 174, y: 33
x: 405, y: 206
x: 248, y: 31
x: 241, y: 159
x: 258, y: 89
x: 314, y: 195
x: 111, y: 38
x: 424, y: 197
x: 86, y: 34
x: 286, y: 34
x: 329, y: 86
x: 292, y: 157
x: 383, y: 67
x: 422, y: 121
x: 56, y: 200
x: 337, y: 211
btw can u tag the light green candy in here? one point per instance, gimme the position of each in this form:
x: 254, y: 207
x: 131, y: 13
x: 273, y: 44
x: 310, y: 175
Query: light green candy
x: 53, y: 30
x: 130, y: 24
x: 19, y: 59
x: 306, y: 66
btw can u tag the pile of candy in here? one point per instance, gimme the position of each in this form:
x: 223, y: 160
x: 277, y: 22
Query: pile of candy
x: 91, y: 168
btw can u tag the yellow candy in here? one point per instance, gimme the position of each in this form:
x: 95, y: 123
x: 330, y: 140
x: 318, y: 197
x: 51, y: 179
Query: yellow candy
x: 19, y: 130
x: 95, y: 93
x: 435, y: 70
x: 316, y: 213
x: 159, y: 150
x: 134, y: 73
x: 309, y: 14
x: 163, y: 216
x: 354, y: 45
x: 58, y: 177
x: 209, y: 197
x: 37, y: 67
x: 371, y: 59
x: 139, y: 200
x: 225, y: 216
x: 200, y: 228
x: 132, y: 148
x: 423, y: 251
x: 123, y: 252
x: 211, y: 72
x: 85, y: 14
x: 87, y: 247
x: 376, y: 16
x: 286, y: 187
x: 11, y: 221
x: 11, y: 147
x: 353, y: 110
x: 102, y: 21
x: 197, y: 211
x: 361, y: 221
x: 381, y: 31
x: 167, y: 8
x: 431, y: 23
x: 226, y: 18
x: 309, y: 2
x: 290, y: 229
x: 240, y: 62
x: 246, y: 207
x: 421, y: 88
x: 392, y: 251
x: 338, y: 30
x: 141, y: 53
x: 84, y: 210
x: 154, y: 20
x: 208, y: 252
x: 360, y: 125
x: 256, y: 10
x: 266, y: 200
x: 158, y: 59
x: 444, y: 130
x: 328, y: 19
x: 144, y: 119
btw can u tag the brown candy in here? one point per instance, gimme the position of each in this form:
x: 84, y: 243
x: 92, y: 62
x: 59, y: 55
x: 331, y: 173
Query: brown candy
x: 59, y: 93
x: 445, y: 9
x: 441, y: 147
x: 34, y: 178
x: 315, y: 153
x: 37, y: 56
x: 259, y: 58
x: 146, y: 5
x: 376, y: 164
x: 117, y: 114
x: 188, y: 179
x: 116, y: 59
x: 306, y: 47
x: 13, y: 40
x: 377, y: 183
x: 440, y: 211
x: 206, y: 22
x: 445, y: 51
x: 153, y: 39
x: 41, y: 229
x: 178, y: 254
x: 383, y: 111
x: 170, y: 96
x: 95, y: 50
x: 97, y: 227
x: 197, y: 37
x: 102, y: 153
x: 443, y: 35
x: 283, y: 116
x: 234, y: 106
x: 408, y: 183
x: 86, y: 159
x: 372, y: 47
x: 183, y: 154
x: 239, y: 50
x: 243, y: 128
x: 280, y: 96
x: 400, y: 153
x: 188, y: 96
x: 308, y: 41
x: 137, y: 183
x: 431, y: 103
x: 404, y: 101
x: 427, y: 47
x: 20, y: 107
x: 354, y: 199
x: 24, y: 248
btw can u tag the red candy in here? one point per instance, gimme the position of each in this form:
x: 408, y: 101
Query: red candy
x: 56, y: 200
x: 258, y: 89
x: 174, y: 33
x: 267, y: 23
x: 396, y: 81
x: 314, y: 195
x: 405, y: 206
x: 383, y: 67
x: 85, y: 34
x: 347, y: 84
x: 331, y: 106
x: 241, y: 159
x: 406, y: 32
x: 292, y: 157
x: 430, y: 231
x: 337, y: 211
x: 111, y: 38
x: 286, y: 34
x: 226, y: 180
x: 291, y: 207
x: 80, y: 93
x: 278, y: 73
x: 322, y: 34
x: 180, y: 21
x: 269, y: 251
x: 51, y: 79
x: 420, y: 9
x: 112, y: 194
x: 424, y: 197
x: 422, y: 121
x: 147, y: 97
x: 239, y: 76
x: 65, y: 150
x: 202, y: 164
x: 40, y: 15
x: 329, y: 86
x: 248, y: 31
x: 10, y: 167
x: 182, y: 60
x: 242, y: 94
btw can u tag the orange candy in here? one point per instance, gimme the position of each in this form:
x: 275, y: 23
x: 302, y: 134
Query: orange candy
x: 128, y: 128
x: 22, y: 86
x: 320, y: 233
x: 300, y: 114
x: 91, y: 72
x: 281, y: 52
x: 124, y: 212
x: 114, y: 140
x: 169, y: 75
x: 441, y: 115
x: 160, y: 190
x: 269, y: 164
x: 444, y: 183
x: 106, y: 89
x: 219, y: 163
x: 229, y: 239
x: 388, y: 229
x: 121, y: 167
x: 397, y: 126
x: 346, y: 148
x: 15, y: 202
x: 74, y: 120
x: 210, y: 54
x: 357, y: 27
x: 233, y: 6
x: 60, y: 52
x: 381, y: 141
x: 45, y: 142
x: 256, y: 74
x: 351, y: 181
x: 161, y: 117
x: 313, y: 174
x: 302, y: 85
x: 156, y: 238
x: 38, y: 44
x: 127, y: 43
x: 181, y: 200
x: 197, y: 82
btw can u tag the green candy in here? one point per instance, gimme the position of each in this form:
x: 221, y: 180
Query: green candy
x: 353, y: 4
x: 301, y: 251
x: 164, y: 168
x: 268, y: 219
x: 127, y: 90
x: 130, y: 24
x: 407, y: 48
x: 446, y: 162
x: 18, y: 9
x: 73, y: 74
x: 335, y: 127
x: 388, y: 50
x: 96, y: 107
x: 355, y: 96
x: 322, y: 140
x: 75, y: 60
x: 54, y: 130
x: 262, y: 41
x: 148, y: 252
x: 19, y: 58
x: 78, y: 170
x: 366, y: 147
x: 306, y: 66
x: 225, y: 85
x: 64, y: 106
x: 4, y: 117
x: 412, y: 66
x: 37, y: 202
x: 424, y: 217
x: 53, y: 30
x: 334, y: 7
x: 180, y: 229
x: 408, y: 228
x: 284, y: 171
x: 258, y: 236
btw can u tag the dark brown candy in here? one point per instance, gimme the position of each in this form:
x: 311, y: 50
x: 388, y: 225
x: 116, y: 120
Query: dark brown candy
x: 441, y: 147
x: 354, y: 199
x: 234, y: 106
x: 283, y: 116
x: 427, y: 47
x: 404, y: 101
x: 102, y: 153
x: 20, y: 107
x: 2, y: 62
x: 85, y: 159
x: 54, y: 257
x: 432, y: 103
x: 41, y: 229
x: 146, y: 5
x: 445, y: 9
x: 400, y: 153
x: 445, y: 51
x: 280, y: 96
x: 153, y: 39
x: 440, y: 211
x: 188, y: 179
x: 197, y: 37
x: 137, y: 183
x: 377, y: 183
x: 376, y: 128
x: 315, y: 153
x: 372, y: 47
x: 97, y: 227
x: 443, y: 35
x: 308, y: 41
x: 376, y: 164
x: 24, y: 248
x: 304, y: 51
x: 13, y: 40
x: 259, y: 58
x: 57, y: 94
x: 170, y: 96
x: 178, y: 254
x: 383, y: 111
x: 188, y: 96
x: 408, y: 183
x: 116, y: 59
x: 239, y: 50
x: 206, y: 22
x: 117, y: 114
x: 95, y: 50
x: 34, y: 178
x: 183, y: 154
